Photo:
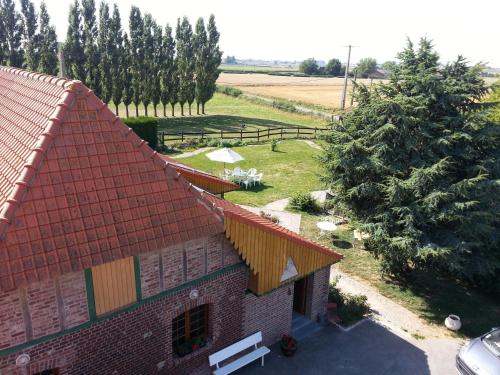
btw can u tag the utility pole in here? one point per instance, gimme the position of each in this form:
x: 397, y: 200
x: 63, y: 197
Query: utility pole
x: 344, y: 92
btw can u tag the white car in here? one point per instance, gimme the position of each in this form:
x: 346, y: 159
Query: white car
x: 480, y: 356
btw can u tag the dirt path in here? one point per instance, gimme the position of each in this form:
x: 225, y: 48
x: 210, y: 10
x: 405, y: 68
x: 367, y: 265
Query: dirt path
x: 192, y: 153
x: 389, y: 313
x: 312, y: 144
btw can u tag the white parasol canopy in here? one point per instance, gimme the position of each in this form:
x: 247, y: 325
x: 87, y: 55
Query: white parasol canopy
x: 225, y: 155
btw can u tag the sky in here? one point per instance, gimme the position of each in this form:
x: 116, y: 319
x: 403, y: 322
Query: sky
x: 295, y: 30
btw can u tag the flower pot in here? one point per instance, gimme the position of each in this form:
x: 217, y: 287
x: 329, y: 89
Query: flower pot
x: 453, y: 323
x: 288, y: 352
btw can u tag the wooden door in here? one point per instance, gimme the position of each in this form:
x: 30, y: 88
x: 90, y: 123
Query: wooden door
x: 299, y: 296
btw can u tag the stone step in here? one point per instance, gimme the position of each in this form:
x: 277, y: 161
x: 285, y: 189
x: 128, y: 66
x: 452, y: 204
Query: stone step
x: 303, y: 327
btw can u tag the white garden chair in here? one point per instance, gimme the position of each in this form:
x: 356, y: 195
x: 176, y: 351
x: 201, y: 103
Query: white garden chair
x: 257, y: 179
x: 252, y: 172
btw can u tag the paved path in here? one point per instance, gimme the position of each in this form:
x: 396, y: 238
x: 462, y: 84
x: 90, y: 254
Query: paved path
x: 192, y: 153
x: 288, y: 220
x: 312, y: 144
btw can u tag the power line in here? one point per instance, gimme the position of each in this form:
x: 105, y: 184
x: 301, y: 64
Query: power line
x: 344, y: 92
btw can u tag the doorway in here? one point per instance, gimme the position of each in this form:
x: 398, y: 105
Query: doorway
x: 300, y: 296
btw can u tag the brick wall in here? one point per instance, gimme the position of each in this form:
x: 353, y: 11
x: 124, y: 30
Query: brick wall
x: 270, y: 313
x: 165, y: 269
x: 42, y: 309
x: 318, y: 293
x: 139, y: 341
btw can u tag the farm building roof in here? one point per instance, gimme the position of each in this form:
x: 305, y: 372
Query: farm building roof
x: 78, y: 188
x: 206, y: 181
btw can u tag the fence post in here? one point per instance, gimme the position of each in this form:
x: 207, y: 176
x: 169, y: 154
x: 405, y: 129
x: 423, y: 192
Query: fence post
x: 258, y: 135
x: 281, y: 132
x: 241, y: 135
x: 298, y: 132
x: 202, y: 135
x: 182, y: 136
x: 268, y: 133
x: 315, y: 132
x: 221, y: 134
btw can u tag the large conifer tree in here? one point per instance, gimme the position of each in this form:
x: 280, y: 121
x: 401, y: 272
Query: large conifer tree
x: 136, y: 26
x: 12, y: 30
x: 167, y: 73
x: 202, y: 63
x: 417, y: 163
x: 185, y: 63
x: 117, y: 57
x: 103, y: 45
x: 126, y: 73
x: 73, y: 49
x: 158, y: 61
x: 90, y: 49
x: 214, y: 61
x: 30, y: 35
x: 47, y: 41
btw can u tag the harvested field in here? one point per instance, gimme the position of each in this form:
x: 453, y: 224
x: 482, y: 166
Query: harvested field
x: 325, y: 92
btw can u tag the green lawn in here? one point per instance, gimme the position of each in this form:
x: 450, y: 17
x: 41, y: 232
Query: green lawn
x: 432, y: 297
x: 228, y: 113
x: 292, y: 168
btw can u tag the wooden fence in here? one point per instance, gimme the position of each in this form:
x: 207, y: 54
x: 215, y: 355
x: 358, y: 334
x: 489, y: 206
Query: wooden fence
x: 282, y: 132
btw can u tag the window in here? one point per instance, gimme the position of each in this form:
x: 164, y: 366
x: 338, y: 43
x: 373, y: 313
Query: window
x: 114, y: 285
x: 190, y: 330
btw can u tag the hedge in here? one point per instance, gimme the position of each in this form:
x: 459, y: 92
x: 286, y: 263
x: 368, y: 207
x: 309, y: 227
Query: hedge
x: 146, y: 128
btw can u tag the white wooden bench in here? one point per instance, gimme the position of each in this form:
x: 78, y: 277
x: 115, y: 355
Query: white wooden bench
x: 236, y: 348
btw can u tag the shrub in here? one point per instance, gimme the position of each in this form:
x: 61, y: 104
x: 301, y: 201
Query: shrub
x: 274, y: 145
x: 350, y: 307
x: 146, y: 128
x: 275, y: 219
x: 304, y: 202
x: 228, y: 90
x: 217, y: 142
x: 284, y: 106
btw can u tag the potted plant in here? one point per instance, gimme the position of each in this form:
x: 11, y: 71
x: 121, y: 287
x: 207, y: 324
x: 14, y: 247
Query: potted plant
x: 288, y: 345
x: 183, y: 349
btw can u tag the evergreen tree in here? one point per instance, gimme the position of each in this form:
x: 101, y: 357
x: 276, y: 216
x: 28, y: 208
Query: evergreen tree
x: 147, y: 64
x: 30, y: 36
x: 90, y: 49
x: 333, y: 67
x: 167, y: 73
x: 215, y: 59
x: 202, y: 63
x: 2, y: 37
x: 47, y: 42
x: 12, y: 30
x: 126, y: 72
x: 118, y: 63
x: 185, y: 63
x: 137, y: 47
x: 158, y: 61
x: 74, y: 57
x: 103, y: 46
x: 417, y: 163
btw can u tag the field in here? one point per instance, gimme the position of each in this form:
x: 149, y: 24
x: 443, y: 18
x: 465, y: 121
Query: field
x: 258, y: 68
x: 326, y: 92
x: 228, y: 113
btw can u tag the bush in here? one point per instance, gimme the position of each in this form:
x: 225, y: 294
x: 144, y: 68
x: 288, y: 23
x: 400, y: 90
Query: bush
x: 350, y: 307
x: 146, y: 128
x: 284, y: 106
x: 228, y: 90
x: 304, y: 202
x: 270, y: 217
x: 217, y: 142
x: 274, y: 145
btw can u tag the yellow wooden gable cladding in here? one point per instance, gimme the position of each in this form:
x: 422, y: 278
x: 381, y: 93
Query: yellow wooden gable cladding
x: 209, y: 183
x: 114, y: 285
x: 267, y: 252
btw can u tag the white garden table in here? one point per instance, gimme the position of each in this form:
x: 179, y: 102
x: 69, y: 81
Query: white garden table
x: 326, y: 226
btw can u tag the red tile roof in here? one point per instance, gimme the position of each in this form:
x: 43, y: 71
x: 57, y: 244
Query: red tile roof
x: 78, y: 188
x: 206, y: 181
x: 230, y: 209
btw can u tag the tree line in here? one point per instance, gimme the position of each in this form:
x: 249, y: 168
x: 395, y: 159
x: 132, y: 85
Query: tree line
x: 27, y: 39
x: 149, y: 65
x: 334, y: 67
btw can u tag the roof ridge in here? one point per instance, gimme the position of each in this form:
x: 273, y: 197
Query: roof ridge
x: 44, y: 142
x: 267, y: 225
x: 57, y: 81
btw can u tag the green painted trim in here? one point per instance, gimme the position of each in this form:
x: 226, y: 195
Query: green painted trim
x: 96, y: 320
x: 89, y: 286
x: 137, y: 274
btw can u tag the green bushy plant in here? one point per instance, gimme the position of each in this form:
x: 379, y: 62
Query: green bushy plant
x: 303, y: 202
x: 274, y: 145
x: 228, y: 90
x: 144, y: 127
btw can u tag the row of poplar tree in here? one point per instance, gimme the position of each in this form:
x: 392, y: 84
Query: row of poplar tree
x: 150, y: 65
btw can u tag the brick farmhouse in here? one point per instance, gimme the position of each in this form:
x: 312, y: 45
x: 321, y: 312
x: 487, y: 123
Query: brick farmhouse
x: 117, y: 260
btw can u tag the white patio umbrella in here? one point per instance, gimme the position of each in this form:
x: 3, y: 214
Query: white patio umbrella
x: 225, y: 155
